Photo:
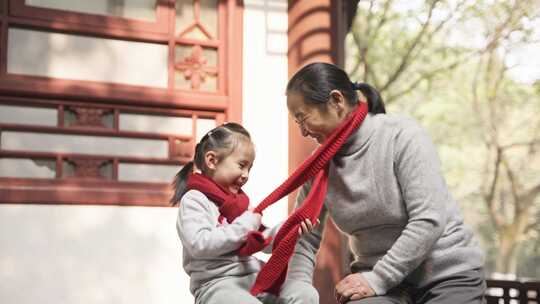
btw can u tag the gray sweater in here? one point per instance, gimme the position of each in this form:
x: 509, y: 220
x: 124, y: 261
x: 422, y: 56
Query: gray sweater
x: 209, y: 247
x: 386, y: 192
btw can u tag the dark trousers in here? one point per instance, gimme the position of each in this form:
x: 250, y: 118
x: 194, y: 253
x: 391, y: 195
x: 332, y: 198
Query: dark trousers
x: 464, y: 287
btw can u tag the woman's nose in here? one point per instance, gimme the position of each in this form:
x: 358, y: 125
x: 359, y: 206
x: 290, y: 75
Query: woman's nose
x: 303, y: 131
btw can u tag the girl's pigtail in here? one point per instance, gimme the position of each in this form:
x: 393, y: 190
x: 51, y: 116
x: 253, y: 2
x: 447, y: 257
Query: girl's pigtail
x: 180, y: 183
x: 374, y: 99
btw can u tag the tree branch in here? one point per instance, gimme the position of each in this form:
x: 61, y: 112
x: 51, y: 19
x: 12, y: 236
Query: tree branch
x: 429, y: 75
x: 446, y: 20
x: 498, y: 80
x: 405, y: 59
x: 361, y: 58
x: 382, y: 20
x: 529, y: 197
x: 476, y: 101
x: 363, y: 47
x: 513, y: 185
x: 489, y: 197
x: 534, y: 225
x: 492, y: 123
x: 529, y: 144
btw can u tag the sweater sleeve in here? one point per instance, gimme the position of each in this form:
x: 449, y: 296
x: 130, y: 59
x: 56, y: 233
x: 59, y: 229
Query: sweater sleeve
x: 198, y: 228
x: 271, y: 232
x: 425, y: 195
x: 302, y: 263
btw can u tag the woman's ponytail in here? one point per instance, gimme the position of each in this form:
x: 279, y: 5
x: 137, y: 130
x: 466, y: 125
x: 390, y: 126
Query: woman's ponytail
x: 180, y: 183
x: 374, y: 99
x: 316, y: 81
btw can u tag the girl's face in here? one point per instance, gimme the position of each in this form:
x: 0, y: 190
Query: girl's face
x: 315, y: 121
x: 232, y: 172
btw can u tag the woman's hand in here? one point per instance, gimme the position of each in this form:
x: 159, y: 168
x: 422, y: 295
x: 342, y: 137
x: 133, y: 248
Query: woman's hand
x: 306, y: 226
x: 353, y: 287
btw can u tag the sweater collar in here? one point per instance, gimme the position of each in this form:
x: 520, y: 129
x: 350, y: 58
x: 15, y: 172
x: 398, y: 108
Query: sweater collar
x: 360, y: 137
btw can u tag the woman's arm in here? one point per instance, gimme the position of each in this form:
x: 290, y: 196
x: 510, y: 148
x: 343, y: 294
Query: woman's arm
x: 302, y: 264
x: 271, y: 232
x: 307, y: 227
x: 425, y: 193
x: 198, y: 228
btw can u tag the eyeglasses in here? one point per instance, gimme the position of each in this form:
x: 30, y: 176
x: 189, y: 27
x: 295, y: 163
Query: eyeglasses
x: 300, y: 121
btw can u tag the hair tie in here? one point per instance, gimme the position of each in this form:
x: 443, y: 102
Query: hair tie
x: 356, y: 86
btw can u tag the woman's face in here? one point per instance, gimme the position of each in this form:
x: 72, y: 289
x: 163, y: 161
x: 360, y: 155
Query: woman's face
x: 315, y: 121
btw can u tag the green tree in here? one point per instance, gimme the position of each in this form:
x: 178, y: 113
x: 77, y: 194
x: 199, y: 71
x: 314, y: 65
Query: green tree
x: 507, y: 114
x: 397, y: 46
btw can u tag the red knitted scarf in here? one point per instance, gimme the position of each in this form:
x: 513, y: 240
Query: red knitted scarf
x: 230, y: 207
x: 272, y: 275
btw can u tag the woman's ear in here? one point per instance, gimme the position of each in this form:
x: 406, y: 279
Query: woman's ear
x: 337, y: 101
x: 210, y: 160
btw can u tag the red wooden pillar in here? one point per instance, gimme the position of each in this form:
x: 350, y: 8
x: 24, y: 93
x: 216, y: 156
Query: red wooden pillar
x: 316, y: 33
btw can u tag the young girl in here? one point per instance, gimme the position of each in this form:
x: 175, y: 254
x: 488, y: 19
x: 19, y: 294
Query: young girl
x: 214, y: 223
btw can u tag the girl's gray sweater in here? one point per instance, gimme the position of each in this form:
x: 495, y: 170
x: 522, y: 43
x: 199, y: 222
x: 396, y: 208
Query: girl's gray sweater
x: 210, y: 247
x: 387, y: 193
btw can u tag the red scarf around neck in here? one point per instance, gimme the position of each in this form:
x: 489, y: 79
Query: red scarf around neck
x: 272, y: 275
x: 230, y: 207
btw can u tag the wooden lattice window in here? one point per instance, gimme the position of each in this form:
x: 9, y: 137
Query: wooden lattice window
x: 101, y: 101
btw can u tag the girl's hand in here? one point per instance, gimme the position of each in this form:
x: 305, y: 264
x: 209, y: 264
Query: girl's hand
x: 258, y: 216
x: 306, y: 226
x: 353, y: 287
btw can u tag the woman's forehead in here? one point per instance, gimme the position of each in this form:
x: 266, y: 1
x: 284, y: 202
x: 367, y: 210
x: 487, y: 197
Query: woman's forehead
x: 296, y: 102
x: 297, y: 105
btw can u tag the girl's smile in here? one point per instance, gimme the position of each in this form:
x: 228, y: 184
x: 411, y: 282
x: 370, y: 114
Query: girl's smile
x: 232, y: 172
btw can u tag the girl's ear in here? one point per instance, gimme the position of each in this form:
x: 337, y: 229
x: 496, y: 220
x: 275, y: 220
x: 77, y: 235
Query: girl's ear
x: 210, y: 160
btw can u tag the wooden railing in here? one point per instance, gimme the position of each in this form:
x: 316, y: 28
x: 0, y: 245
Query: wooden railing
x: 515, y: 292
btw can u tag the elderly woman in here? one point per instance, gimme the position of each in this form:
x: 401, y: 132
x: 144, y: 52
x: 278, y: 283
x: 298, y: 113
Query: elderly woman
x: 386, y: 192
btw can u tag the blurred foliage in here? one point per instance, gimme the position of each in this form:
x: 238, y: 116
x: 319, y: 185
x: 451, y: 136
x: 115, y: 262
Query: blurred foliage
x: 450, y: 64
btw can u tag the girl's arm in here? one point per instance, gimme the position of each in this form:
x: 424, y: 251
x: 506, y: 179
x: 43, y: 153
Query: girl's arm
x: 200, y: 232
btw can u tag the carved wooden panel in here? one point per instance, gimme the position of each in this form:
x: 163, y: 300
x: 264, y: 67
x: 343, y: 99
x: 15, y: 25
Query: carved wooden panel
x: 23, y: 148
x: 76, y: 139
x: 195, y: 48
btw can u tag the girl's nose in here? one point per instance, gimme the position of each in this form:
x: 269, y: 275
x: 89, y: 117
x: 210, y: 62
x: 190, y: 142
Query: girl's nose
x: 243, y: 179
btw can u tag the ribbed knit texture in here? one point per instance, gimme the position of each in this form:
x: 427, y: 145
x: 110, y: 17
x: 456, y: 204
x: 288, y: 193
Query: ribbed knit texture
x: 230, y: 206
x: 273, y: 273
